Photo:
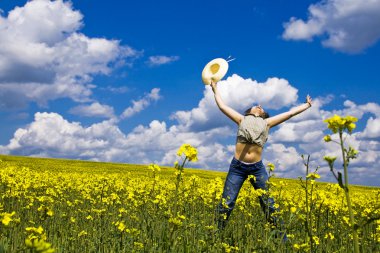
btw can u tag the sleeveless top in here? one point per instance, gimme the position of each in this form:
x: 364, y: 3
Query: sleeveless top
x: 253, y: 130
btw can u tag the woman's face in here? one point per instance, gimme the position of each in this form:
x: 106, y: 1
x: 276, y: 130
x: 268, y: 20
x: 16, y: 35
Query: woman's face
x: 257, y: 110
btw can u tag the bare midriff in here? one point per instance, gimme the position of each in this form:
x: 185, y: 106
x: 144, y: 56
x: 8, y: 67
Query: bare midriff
x: 248, y: 152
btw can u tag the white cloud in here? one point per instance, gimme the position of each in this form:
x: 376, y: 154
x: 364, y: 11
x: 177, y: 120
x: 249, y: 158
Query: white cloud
x: 350, y: 26
x: 116, y: 90
x: 161, y: 60
x: 51, y: 135
x: 303, y: 131
x: 93, y: 110
x: 43, y: 56
x: 372, y: 129
x: 141, y: 104
x: 239, y: 94
x: 286, y: 159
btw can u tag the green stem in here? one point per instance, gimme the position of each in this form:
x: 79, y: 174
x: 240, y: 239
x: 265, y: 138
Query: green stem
x: 177, y: 185
x: 346, y: 191
x: 311, y: 214
x: 309, y: 226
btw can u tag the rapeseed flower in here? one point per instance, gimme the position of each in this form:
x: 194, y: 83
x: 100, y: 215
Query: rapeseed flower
x: 189, y: 151
x: 7, y: 218
x: 327, y: 138
x: 39, y: 245
x: 313, y: 176
x: 271, y: 166
x: 82, y: 233
x: 154, y: 168
x: 35, y: 230
x: 337, y: 123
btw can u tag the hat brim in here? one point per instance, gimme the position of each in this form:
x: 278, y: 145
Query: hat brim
x: 215, y: 70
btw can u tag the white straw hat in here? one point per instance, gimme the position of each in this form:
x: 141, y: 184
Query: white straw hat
x: 214, y: 70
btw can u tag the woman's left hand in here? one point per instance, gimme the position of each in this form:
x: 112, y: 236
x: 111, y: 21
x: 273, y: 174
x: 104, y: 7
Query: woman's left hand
x: 309, y: 100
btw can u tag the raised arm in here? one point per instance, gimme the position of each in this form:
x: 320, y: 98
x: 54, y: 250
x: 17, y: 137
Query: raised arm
x: 278, y: 119
x: 228, y: 111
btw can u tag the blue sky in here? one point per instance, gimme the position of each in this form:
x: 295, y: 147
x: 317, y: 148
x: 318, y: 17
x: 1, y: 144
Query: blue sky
x: 120, y: 80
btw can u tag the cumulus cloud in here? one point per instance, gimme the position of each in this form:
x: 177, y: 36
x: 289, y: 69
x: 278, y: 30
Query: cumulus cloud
x: 139, y: 105
x: 240, y: 94
x: 286, y: 158
x: 304, y: 131
x: 53, y: 136
x: 43, y: 56
x: 93, y: 110
x: 161, y: 60
x: 372, y: 129
x: 350, y: 26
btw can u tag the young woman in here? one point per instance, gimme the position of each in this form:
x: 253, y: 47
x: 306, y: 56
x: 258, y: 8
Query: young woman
x: 252, y: 134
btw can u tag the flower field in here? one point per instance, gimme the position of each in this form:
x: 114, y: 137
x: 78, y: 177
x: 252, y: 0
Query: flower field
x: 51, y: 205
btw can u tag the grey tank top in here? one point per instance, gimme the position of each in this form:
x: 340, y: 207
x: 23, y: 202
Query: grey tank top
x: 253, y: 130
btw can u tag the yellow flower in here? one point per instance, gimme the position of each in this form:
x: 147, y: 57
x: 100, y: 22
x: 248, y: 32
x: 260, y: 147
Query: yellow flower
x: 189, y: 151
x: 346, y: 220
x: 271, y: 166
x: 154, y: 167
x: 82, y: 233
x: 337, y: 123
x: 313, y: 176
x: 50, y: 213
x: 7, y: 217
x: 252, y: 178
x: 39, y: 245
x: 293, y: 209
x: 176, y: 221
x: 121, y: 226
x: 296, y: 246
x: 327, y: 138
x: 329, y: 236
x: 351, y: 127
x: 38, y: 230
x: 316, y: 240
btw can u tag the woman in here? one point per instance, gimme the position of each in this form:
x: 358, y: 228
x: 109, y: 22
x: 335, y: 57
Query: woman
x: 252, y: 134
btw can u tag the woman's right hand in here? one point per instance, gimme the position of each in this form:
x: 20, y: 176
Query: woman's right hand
x: 213, y: 85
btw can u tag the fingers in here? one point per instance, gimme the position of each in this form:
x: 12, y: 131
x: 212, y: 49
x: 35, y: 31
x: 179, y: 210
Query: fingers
x: 308, y: 99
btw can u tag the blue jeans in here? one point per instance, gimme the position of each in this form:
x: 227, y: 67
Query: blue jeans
x: 236, y: 176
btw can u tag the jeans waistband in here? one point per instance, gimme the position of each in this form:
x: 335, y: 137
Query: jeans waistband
x: 249, y: 164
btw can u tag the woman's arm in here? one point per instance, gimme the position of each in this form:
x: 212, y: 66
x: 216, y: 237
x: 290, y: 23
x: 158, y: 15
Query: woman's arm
x: 278, y: 119
x: 228, y: 111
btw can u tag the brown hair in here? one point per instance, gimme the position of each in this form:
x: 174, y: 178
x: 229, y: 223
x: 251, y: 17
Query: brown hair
x: 265, y: 115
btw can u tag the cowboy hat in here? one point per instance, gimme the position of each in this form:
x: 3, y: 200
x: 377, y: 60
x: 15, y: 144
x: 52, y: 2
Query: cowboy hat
x: 214, y: 70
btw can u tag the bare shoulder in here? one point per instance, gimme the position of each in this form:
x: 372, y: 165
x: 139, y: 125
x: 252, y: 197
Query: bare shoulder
x: 270, y: 122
